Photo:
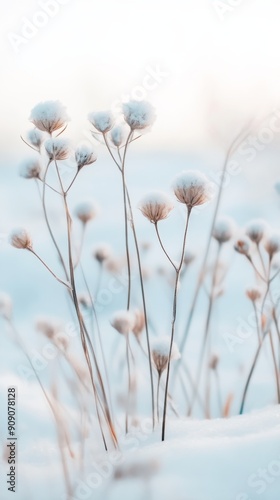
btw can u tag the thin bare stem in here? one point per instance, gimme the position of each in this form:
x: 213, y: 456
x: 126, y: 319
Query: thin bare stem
x: 47, y: 267
x: 178, y: 271
x: 163, y: 248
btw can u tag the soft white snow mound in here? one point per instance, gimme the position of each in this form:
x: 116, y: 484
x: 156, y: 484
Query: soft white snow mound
x: 229, y: 459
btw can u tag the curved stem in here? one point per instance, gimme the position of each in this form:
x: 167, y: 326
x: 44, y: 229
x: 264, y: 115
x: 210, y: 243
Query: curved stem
x: 250, y: 375
x: 47, y: 267
x: 178, y: 271
x: 163, y: 248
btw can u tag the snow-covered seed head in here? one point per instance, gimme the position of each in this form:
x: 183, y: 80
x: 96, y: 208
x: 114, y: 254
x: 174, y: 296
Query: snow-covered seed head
x: 214, y: 362
x: 123, y: 322
x: 139, y: 322
x: 160, y: 348
x: 84, y: 155
x: 242, y: 246
x: 272, y: 244
x: 20, y: 238
x: 57, y: 149
x: 103, y: 121
x: 253, y: 294
x: 256, y: 230
x: 30, y: 169
x: 84, y: 300
x: 117, y: 135
x: 102, y: 252
x: 139, y: 114
x: 223, y: 229
x: 6, y: 305
x: 192, y: 188
x: 188, y: 257
x: 49, y: 116
x: 35, y: 137
x: 156, y: 206
x: 48, y: 327
x: 86, y: 211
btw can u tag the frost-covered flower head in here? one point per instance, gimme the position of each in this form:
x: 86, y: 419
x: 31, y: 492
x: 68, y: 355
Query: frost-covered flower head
x: 35, y: 137
x: 86, y: 211
x: 84, y: 155
x: 48, y: 326
x: 123, y: 322
x: 192, y: 188
x: 160, y: 348
x: 139, y: 114
x: 30, y: 169
x: 85, y: 300
x: 256, y: 230
x: 6, y: 305
x: 223, y: 229
x: 58, y: 148
x: 117, y: 135
x: 103, y: 121
x: 20, y: 238
x: 156, y: 206
x: 253, y: 293
x: 272, y: 244
x: 102, y: 252
x: 188, y: 257
x: 49, y: 116
x: 139, y: 322
x: 242, y: 245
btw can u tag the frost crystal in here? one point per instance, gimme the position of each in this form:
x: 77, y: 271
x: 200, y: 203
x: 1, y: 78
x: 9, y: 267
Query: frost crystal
x: 139, y: 114
x: 49, y: 116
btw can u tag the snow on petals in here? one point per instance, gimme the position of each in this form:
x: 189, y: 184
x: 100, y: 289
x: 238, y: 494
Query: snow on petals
x: 139, y: 114
x: 156, y: 206
x: 49, y: 116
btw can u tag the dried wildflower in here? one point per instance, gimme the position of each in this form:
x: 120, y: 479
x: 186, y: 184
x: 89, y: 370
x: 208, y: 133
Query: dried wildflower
x: 242, y: 246
x: 19, y: 238
x: 117, y: 135
x: 160, y: 352
x: 6, y: 305
x: 85, y: 300
x: 256, y: 230
x: 272, y: 244
x: 86, y: 211
x: 188, y: 257
x: 84, y: 155
x: 48, y: 327
x: 214, y: 362
x: 137, y: 469
x: 49, y: 116
x: 35, y: 137
x: 156, y: 206
x: 139, y: 114
x: 223, y: 230
x: 114, y: 264
x: 253, y: 294
x: 123, y: 322
x: 192, y: 188
x: 30, y: 169
x: 103, y: 121
x: 139, y: 322
x: 61, y: 341
x: 57, y: 149
x: 102, y: 252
